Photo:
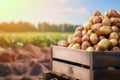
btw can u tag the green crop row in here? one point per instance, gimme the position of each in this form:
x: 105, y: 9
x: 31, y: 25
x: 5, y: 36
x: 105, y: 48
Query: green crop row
x: 18, y: 39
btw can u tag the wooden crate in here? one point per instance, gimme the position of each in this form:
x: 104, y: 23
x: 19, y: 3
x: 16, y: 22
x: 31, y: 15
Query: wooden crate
x: 57, y: 76
x: 85, y: 65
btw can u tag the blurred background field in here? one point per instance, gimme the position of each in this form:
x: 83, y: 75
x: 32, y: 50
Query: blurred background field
x: 19, y: 39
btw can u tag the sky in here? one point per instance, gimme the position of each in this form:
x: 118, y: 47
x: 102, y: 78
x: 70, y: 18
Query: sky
x: 53, y: 11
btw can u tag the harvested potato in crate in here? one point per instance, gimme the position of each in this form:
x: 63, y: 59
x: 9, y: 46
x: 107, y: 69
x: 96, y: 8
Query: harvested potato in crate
x: 93, y: 51
x: 84, y: 65
x: 101, y: 32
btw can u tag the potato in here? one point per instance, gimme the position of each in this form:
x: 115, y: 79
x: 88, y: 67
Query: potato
x: 63, y: 43
x: 106, y: 17
x: 96, y: 28
x: 119, y: 42
x: 98, y: 49
x: 96, y: 13
x: 90, y: 49
x: 70, y: 45
x: 106, y: 13
x: 119, y: 34
x: 77, y: 40
x: 106, y: 22
x: 85, y: 45
x: 113, y: 42
x: 115, y: 49
x: 69, y: 39
x: 77, y: 34
x: 105, y: 30
x: 111, y: 68
x: 114, y: 35
x: 89, y: 32
x: 115, y: 29
x: 91, y: 19
x: 119, y: 13
x: 80, y: 28
x: 113, y: 13
x: 76, y: 46
x: 87, y: 25
x: 97, y: 19
x: 103, y: 44
x: 84, y: 32
x: 102, y: 37
x: 85, y: 38
x: 115, y: 21
x: 93, y: 39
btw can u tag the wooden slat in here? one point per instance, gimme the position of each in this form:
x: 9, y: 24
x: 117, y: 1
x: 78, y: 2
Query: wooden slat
x: 71, y: 70
x: 107, y: 75
x: 72, y: 55
x: 50, y: 76
x: 105, y: 59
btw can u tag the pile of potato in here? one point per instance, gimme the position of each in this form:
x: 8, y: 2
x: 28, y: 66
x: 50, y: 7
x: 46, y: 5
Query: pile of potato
x: 99, y: 33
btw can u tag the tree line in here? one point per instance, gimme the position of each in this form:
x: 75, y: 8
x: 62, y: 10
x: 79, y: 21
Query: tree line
x: 42, y: 27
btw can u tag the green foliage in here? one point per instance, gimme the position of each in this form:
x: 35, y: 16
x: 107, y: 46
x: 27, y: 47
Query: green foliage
x: 56, y: 27
x: 18, y: 39
x: 42, y: 27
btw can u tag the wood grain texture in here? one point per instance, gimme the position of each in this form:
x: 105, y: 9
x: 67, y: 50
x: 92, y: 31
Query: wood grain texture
x: 105, y: 59
x: 107, y: 75
x: 71, y: 70
x: 72, y: 55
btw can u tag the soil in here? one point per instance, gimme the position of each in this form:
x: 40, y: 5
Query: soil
x: 26, y: 63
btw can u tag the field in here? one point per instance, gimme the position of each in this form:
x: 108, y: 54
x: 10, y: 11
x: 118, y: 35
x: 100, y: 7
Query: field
x: 18, y: 39
x: 26, y: 55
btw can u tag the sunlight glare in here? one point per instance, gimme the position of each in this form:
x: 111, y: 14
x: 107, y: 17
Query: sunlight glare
x: 2, y: 2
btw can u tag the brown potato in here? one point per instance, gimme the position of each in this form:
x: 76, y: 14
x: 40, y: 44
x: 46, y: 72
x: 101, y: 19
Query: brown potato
x: 106, y: 17
x: 114, y: 35
x: 119, y: 42
x: 77, y: 40
x: 106, y: 13
x: 115, y: 21
x: 106, y: 22
x: 113, y: 13
x: 98, y: 49
x: 80, y: 28
x: 102, y: 37
x: 89, y: 32
x: 113, y: 42
x: 91, y: 19
x: 97, y: 13
x: 119, y: 34
x: 96, y: 28
x: 63, y: 43
x: 93, y: 38
x: 69, y: 39
x: 90, y: 49
x: 85, y: 45
x: 111, y: 68
x: 77, y: 34
x: 87, y: 25
x: 84, y: 32
x: 119, y: 13
x: 70, y: 45
x: 85, y: 38
x: 76, y: 46
x: 115, y: 49
x: 115, y: 29
x: 97, y: 19
x: 105, y: 30
x: 104, y: 44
